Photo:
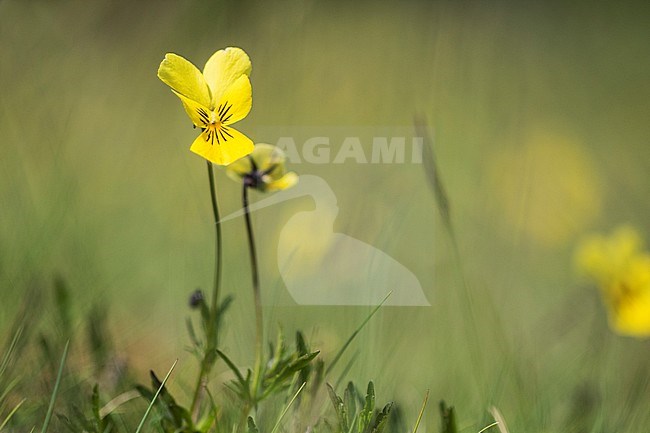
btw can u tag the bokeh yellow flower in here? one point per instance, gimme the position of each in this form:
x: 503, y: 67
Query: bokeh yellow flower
x: 546, y: 186
x: 263, y: 169
x: 621, y: 268
x: 214, y: 99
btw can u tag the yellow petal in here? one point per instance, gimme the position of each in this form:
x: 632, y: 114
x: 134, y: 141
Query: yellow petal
x: 223, y: 68
x: 235, y: 146
x: 199, y: 114
x: 236, y: 102
x: 184, y: 78
x: 239, y: 169
x: 266, y: 156
x: 632, y: 316
x: 286, y: 181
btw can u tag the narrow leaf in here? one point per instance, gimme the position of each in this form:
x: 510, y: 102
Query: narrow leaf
x: 153, y: 400
x: 286, y: 408
x: 354, y: 334
x: 424, y: 405
x: 57, y: 384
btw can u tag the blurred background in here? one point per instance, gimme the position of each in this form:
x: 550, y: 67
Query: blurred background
x: 540, y: 117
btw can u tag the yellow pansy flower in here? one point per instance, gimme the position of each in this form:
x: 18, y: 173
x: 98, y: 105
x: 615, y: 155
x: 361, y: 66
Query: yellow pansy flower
x: 621, y: 268
x: 263, y: 169
x: 214, y: 99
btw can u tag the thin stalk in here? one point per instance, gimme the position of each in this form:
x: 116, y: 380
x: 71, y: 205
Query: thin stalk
x: 55, y: 392
x: 259, y: 324
x: 208, y: 358
x: 155, y: 397
x: 217, y: 242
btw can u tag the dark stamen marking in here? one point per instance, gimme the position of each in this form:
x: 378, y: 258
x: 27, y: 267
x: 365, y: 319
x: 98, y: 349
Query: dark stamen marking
x: 269, y: 170
x: 225, y: 131
x: 253, y: 165
x: 222, y: 115
x: 203, y: 115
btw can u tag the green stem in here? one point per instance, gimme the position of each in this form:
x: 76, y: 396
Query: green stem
x: 212, y: 334
x: 259, y: 334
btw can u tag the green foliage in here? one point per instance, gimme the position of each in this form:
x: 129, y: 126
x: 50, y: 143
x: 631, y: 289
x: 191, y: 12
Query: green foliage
x: 368, y: 420
x: 252, y: 427
x: 172, y: 416
x: 278, y: 373
x: 55, y: 391
x: 80, y: 422
x: 448, y: 418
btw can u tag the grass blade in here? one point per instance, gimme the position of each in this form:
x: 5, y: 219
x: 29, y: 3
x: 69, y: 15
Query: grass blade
x: 118, y: 401
x: 498, y: 418
x: 232, y: 367
x: 50, y: 408
x: 354, y: 334
x: 489, y: 426
x: 431, y: 170
x: 286, y: 408
x: 424, y: 405
x: 10, y: 350
x: 13, y: 411
x: 155, y: 397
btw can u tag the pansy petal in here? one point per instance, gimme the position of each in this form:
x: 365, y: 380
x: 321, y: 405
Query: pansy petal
x: 236, y: 102
x: 267, y: 156
x: 223, y: 68
x: 228, y: 148
x: 199, y: 114
x: 286, y: 181
x: 632, y: 316
x: 184, y: 78
x: 239, y: 168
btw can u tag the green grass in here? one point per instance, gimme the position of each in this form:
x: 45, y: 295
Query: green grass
x: 97, y: 186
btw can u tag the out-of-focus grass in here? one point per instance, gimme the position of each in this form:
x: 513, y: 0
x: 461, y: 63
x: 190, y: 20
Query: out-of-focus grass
x: 97, y: 184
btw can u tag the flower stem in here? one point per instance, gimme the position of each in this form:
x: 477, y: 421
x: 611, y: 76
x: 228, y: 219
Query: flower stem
x: 212, y: 333
x: 217, y: 242
x: 259, y: 324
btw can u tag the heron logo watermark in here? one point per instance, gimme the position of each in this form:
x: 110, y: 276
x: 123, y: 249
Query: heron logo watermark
x: 322, y: 267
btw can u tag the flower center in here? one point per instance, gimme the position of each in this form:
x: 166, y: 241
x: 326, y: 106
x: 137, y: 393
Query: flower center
x: 213, y: 123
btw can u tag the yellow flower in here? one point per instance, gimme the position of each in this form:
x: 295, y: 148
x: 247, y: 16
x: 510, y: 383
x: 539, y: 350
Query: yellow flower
x: 214, y: 100
x: 621, y: 268
x: 263, y: 169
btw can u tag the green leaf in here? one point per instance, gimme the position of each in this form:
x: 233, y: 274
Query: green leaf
x: 207, y: 421
x: 55, y: 392
x: 223, y: 307
x: 448, y: 416
x: 350, y: 402
x: 95, y: 404
x: 62, y: 302
x: 286, y: 371
x: 243, y: 383
x: 192, y: 333
x: 339, y: 408
x: 317, y: 376
x: 382, y: 418
x: 252, y: 427
x: 354, y: 334
x: 365, y: 416
x: 155, y: 396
